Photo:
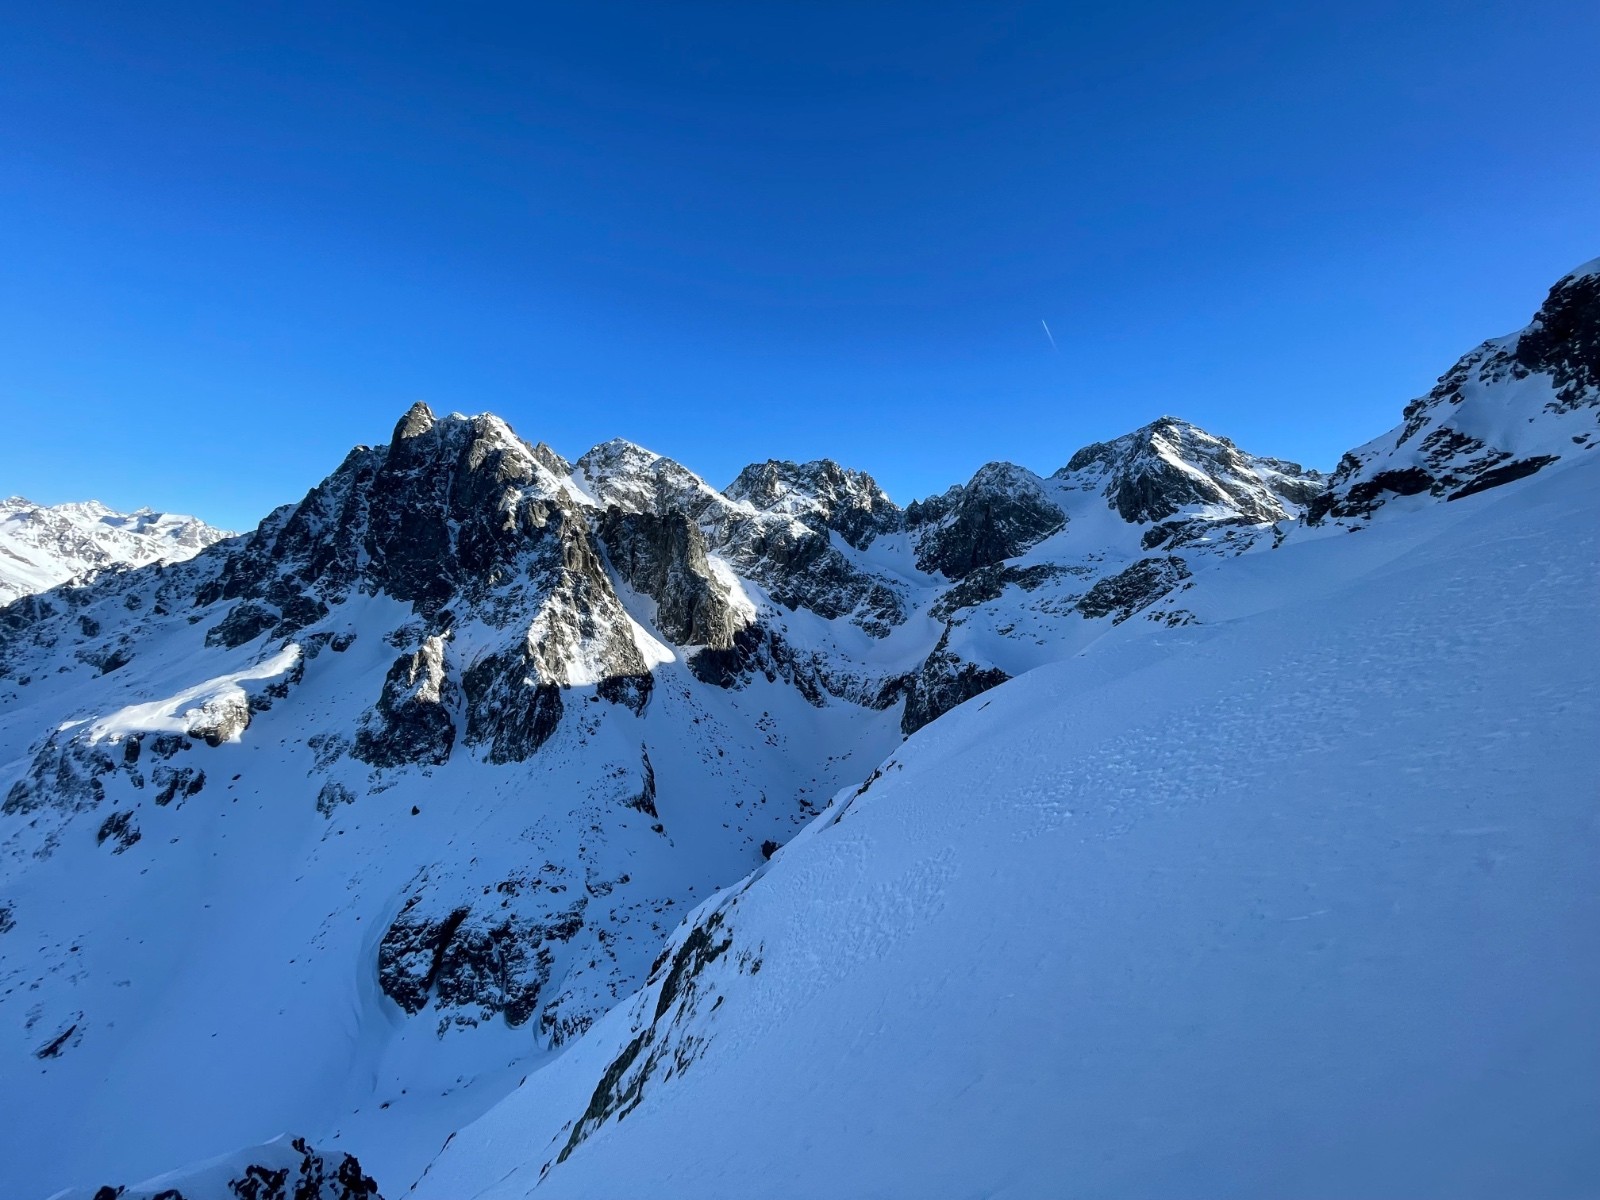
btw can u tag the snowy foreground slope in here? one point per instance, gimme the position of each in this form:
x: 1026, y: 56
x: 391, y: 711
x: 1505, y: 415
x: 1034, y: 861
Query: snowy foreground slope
x: 377, y: 827
x: 342, y: 828
x: 42, y: 546
x: 1302, y: 900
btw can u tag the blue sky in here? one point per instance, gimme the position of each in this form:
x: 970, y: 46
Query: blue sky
x: 237, y: 239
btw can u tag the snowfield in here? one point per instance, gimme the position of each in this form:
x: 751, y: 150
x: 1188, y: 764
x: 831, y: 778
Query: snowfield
x: 1300, y: 901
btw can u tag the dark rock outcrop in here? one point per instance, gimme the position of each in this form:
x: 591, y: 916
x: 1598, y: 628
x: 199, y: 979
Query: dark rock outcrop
x: 945, y: 681
x: 511, y: 718
x: 1133, y: 589
x: 999, y: 513
x: 663, y: 556
x: 488, y: 957
x: 1564, y: 341
x: 283, y: 1170
x: 411, y: 722
x: 989, y: 583
x: 244, y: 623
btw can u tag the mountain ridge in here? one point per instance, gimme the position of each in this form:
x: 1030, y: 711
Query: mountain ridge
x: 445, y: 750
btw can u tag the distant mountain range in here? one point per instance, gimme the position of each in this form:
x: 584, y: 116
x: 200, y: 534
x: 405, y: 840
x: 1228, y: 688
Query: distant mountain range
x: 43, y: 546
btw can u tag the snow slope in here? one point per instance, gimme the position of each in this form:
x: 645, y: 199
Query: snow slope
x: 1301, y: 900
x: 42, y: 546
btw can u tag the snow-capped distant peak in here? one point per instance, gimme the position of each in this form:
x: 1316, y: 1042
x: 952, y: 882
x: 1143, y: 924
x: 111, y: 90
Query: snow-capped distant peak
x: 625, y: 474
x: 42, y: 546
x: 1171, y: 465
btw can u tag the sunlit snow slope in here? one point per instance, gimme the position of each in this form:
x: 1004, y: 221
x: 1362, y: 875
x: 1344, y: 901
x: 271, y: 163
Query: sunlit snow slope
x: 1301, y: 900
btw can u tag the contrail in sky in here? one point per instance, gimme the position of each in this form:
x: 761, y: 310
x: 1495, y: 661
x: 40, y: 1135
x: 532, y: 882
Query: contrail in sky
x: 1048, y: 334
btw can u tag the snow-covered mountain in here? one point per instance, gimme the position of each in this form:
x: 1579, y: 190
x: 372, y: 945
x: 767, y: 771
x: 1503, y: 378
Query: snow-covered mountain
x: 44, y: 546
x: 1298, y: 900
x: 1297, y: 896
x: 385, y: 818
x: 1512, y: 407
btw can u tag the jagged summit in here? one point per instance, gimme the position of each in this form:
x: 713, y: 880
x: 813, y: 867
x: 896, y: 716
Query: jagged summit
x: 418, y: 419
x: 635, y: 479
x: 821, y: 494
x: 1170, y: 464
x: 1000, y: 512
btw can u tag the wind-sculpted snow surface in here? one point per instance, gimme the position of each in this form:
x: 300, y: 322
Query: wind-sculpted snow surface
x: 1300, y: 900
x: 349, y: 825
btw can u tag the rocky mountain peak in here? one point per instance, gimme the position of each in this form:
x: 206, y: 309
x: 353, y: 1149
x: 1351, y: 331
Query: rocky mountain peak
x: 822, y: 494
x: 418, y: 420
x: 451, y: 504
x: 1170, y: 465
x: 1001, y: 511
x: 1563, y: 340
x: 635, y: 479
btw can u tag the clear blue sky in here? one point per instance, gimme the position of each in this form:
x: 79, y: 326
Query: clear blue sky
x: 236, y: 239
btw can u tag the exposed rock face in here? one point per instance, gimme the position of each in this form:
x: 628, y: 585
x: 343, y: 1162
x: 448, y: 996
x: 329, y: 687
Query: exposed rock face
x: 490, y: 956
x: 990, y: 583
x: 479, y: 964
x: 285, y: 1169
x: 999, y: 513
x: 801, y: 568
x: 794, y: 561
x: 1563, y: 342
x: 637, y: 480
x: 221, y: 718
x: 945, y: 681
x: 1134, y: 589
x: 66, y: 773
x: 244, y: 623
x: 119, y: 830
x: 1467, y: 435
x: 412, y: 721
x: 664, y: 557
x: 822, y: 495
x: 451, y: 506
